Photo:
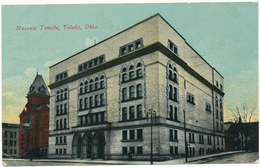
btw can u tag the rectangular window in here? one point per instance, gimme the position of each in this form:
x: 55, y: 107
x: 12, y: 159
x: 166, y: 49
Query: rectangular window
x: 64, y: 151
x: 60, y: 151
x: 139, y: 111
x: 6, y: 143
x: 190, y: 98
x: 131, y: 75
x: 14, y: 142
x: 175, y: 135
x: 56, y: 151
x: 139, y: 150
x: 132, y: 134
x: 139, y: 73
x: 90, y: 102
x: 124, y: 114
x: 65, y: 108
x: 102, y: 100
x: 172, y: 47
x: 60, y: 140
x: 124, y: 150
x: 132, y: 149
x: 130, y: 47
x: 86, y: 102
x: 11, y: 134
x: 124, y: 135
x: 171, y: 135
x: 96, y: 100
x: 65, y: 139
x: 6, y: 134
x: 131, y: 92
x: 15, y: 151
x: 139, y: 90
x: 132, y: 113
x: 139, y: 134
x: 124, y: 94
x: 57, y: 140
x: 11, y: 151
x: 124, y: 77
x: 176, y: 151
x: 171, y: 150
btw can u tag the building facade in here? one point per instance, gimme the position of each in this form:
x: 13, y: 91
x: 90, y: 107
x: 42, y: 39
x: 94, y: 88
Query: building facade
x: 34, y: 120
x: 10, y: 133
x: 101, y: 95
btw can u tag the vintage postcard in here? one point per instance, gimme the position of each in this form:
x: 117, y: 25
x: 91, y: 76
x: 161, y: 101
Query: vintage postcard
x: 130, y: 84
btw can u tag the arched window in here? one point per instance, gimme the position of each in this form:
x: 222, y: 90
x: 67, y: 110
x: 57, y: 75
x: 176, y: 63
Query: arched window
x: 65, y: 93
x: 58, y: 96
x: 139, y: 70
x: 91, y: 85
x: 124, y: 74
x: 102, y: 78
x: 81, y: 88
x: 96, y: 83
x: 131, y: 72
x: 175, y: 75
x: 86, y: 86
x: 61, y: 94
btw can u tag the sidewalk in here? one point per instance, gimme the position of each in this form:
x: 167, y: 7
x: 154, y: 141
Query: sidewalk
x: 119, y: 162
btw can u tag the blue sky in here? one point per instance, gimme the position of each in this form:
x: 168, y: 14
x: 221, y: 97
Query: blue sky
x: 224, y: 34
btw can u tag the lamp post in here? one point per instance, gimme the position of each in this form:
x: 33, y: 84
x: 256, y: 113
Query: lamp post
x: 152, y: 114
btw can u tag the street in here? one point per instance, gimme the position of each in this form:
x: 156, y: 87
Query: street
x: 250, y: 157
x: 230, y: 159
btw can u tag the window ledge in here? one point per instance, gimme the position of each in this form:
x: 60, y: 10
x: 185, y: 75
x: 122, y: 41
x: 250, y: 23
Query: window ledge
x: 174, y: 140
x: 132, y: 99
x: 80, y: 94
x: 129, y: 80
x: 132, y: 140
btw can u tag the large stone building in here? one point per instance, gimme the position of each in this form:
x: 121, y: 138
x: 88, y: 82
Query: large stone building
x: 100, y: 97
x: 34, y: 120
x: 10, y: 133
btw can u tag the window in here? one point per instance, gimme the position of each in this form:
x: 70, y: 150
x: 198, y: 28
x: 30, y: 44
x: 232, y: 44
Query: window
x: 65, y: 139
x: 11, y: 151
x: 61, y: 76
x: 131, y: 75
x: 221, y: 88
x: 11, y: 134
x: 208, y: 107
x: 60, y: 140
x: 61, y: 124
x: 216, y: 101
x: 173, y: 135
x: 90, y: 102
x: 56, y: 151
x: 131, y: 92
x: 201, y: 139
x: 132, y: 149
x: 130, y: 47
x: 60, y: 151
x: 139, y: 150
x: 6, y: 143
x: 172, y: 47
x: 96, y: 100
x: 102, y: 100
x: 124, y: 150
x: 65, y: 123
x: 64, y: 151
x: 139, y: 73
x: 132, y: 113
x: 191, y: 138
x: 15, y: 151
x: 132, y: 134
x: 124, y: 94
x: 139, y: 134
x: 124, y: 114
x: 6, y: 134
x: 139, y: 111
x: 139, y: 90
x: 216, y: 113
x: 190, y: 98
x: 57, y: 124
x: 57, y: 140
x: 91, y: 63
x: 124, y: 135
x: 65, y: 108
x: 14, y: 134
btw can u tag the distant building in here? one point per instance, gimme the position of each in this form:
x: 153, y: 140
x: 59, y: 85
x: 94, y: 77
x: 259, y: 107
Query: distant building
x: 241, y: 136
x: 101, y: 95
x: 10, y: 145
x: 34, y: 120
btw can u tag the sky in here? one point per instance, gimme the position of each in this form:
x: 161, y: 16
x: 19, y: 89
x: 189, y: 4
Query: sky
x: 224, y: 34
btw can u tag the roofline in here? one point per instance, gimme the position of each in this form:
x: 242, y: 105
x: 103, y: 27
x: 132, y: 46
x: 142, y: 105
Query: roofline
x: 157, y: 14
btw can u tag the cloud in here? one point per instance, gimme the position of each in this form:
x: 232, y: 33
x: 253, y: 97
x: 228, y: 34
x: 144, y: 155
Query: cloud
x: 89, y: 42
x: 49, y: 63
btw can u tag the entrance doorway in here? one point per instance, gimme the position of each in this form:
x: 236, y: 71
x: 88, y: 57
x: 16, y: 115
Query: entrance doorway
x: 77, y: 146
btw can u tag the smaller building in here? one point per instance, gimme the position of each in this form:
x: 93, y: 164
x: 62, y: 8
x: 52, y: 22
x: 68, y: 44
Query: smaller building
x: 34, y: 121
x: 10, y: 133
x: 241, y: 136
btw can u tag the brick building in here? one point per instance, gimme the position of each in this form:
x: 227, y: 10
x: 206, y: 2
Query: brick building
x: 34, y: 120
x: 100, y: 97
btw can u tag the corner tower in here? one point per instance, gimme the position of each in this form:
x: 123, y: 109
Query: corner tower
x: 34, y: 120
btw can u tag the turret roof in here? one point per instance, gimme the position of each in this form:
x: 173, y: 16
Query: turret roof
x: 38, y: 86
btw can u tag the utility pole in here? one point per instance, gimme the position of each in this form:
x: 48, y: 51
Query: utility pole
x: 152, y: 114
